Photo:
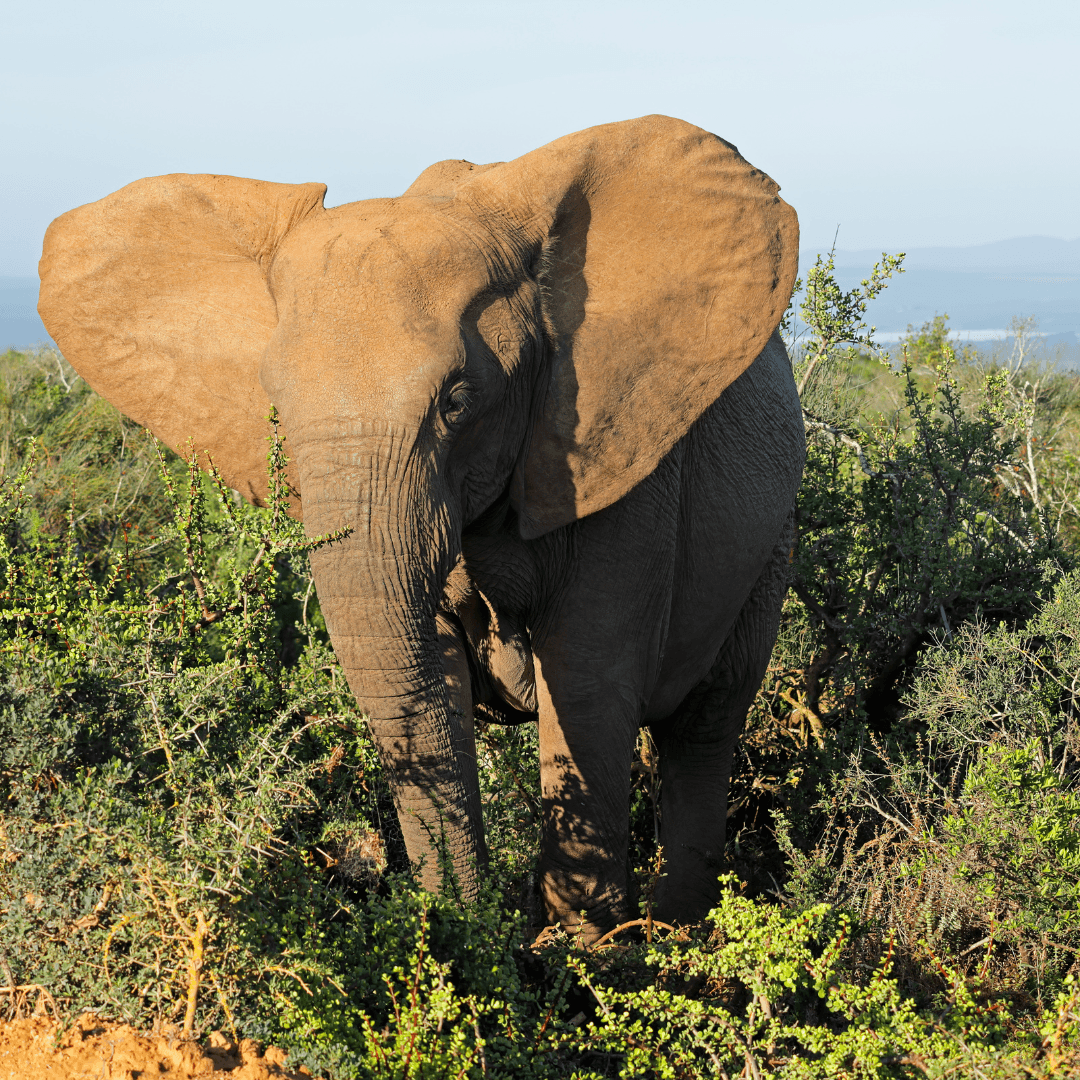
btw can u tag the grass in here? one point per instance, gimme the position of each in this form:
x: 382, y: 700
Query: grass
x: 196, y: 828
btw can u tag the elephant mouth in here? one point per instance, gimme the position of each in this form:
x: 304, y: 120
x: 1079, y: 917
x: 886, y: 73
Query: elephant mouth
x: 497, y: 645
x: 498, y: 712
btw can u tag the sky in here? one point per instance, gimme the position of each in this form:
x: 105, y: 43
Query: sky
x: 906, y: 124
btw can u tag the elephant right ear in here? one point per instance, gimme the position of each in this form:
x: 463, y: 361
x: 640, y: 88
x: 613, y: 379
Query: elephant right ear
x: 665, y: 262
x: 157, y: 295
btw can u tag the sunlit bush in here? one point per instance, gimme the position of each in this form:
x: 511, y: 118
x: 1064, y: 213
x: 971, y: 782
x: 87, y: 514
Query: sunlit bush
x: 195, y: 827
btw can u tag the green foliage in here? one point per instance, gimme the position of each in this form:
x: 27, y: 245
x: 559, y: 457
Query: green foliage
x: 157, y: 754
x: 834, y: 318
x: 97, y: 476
x: 907, y: 530
x: 509, y: 761
x: 984, y: 803
x: 959, y: 841
x: 195, y: 827
x: 777, y: 1002
x: 912, y: 533
x: 1014, y: 785
x: 915, y: 538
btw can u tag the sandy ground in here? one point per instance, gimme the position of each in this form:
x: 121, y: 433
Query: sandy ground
x: 97, y: 1049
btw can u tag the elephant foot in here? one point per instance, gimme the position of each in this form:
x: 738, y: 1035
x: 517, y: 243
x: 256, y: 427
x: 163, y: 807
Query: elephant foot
x: 583, y: 905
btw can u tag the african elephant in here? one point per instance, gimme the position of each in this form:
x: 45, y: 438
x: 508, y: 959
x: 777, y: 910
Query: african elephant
x: 549, y: 398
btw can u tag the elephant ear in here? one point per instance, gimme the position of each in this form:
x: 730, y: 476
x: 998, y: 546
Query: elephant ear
x: 157, y: 295
x: 667, y: 261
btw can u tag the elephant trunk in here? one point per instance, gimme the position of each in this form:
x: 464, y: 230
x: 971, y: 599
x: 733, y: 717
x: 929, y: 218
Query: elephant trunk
x: 379, y: 590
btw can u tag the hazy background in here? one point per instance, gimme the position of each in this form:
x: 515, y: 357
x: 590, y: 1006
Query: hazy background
x: 913, y: 126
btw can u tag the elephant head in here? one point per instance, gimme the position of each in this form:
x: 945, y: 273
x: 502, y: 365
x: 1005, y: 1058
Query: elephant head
x: 539, y: 332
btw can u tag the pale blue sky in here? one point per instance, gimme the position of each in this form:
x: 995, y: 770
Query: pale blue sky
x: 908, y: 124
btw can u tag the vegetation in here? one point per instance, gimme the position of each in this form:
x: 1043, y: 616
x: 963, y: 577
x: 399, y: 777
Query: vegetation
x: 195, y: 828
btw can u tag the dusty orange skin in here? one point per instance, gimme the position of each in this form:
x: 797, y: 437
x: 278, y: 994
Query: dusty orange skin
x: 547, y: 397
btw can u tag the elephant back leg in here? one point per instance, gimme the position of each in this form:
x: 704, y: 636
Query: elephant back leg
x: 696, y: 745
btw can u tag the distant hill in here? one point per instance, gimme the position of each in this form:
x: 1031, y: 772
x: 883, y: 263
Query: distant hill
x: 19, y: 322
x: 980, y: 287
x: 1021, y: 255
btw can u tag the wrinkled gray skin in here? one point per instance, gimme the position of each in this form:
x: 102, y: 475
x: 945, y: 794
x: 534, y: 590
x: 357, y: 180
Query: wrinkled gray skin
x: 556, y: 337
x: 660, y: 610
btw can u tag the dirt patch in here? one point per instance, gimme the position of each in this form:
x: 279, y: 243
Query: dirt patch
x: 97, y: 1049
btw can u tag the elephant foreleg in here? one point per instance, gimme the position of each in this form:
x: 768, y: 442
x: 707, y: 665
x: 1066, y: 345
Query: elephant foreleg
x: 585, y: 787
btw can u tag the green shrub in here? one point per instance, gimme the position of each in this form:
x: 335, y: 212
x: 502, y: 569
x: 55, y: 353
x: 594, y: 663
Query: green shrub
x: 916, y: 538
x: 195, y: 827
x: 156, y: 754
x: 801, y: 1014
x: 907, y: 531
x: 97, y: 476
x: 963, y: 837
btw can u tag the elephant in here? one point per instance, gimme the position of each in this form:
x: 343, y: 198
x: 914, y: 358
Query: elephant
x: 549, y: 399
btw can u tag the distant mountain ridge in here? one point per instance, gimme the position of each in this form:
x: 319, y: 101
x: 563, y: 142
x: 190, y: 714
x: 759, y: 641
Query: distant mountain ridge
x: 19, y: 322
x: 981, y: 287
x: 1019, y: 255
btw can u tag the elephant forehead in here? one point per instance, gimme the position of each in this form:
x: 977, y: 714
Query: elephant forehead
x: 387, y: 260
x: 369, y: 302
x: 346, y: 365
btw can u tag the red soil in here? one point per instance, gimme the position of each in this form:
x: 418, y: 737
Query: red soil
x: 98, y: 1049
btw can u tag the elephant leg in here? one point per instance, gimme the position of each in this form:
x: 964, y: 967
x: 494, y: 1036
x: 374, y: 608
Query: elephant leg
x: 585, y: 789
x: 697, y: 744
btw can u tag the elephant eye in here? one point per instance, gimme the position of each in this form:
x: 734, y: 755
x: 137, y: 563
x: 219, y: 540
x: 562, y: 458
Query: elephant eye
x: 456, y: 403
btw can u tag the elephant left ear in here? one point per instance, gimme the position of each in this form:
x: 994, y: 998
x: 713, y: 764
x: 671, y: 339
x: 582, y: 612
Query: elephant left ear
x: 158, y: 296
x: 667, y: 261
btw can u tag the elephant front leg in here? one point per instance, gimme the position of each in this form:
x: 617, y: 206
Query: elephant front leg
x: 586, y: 750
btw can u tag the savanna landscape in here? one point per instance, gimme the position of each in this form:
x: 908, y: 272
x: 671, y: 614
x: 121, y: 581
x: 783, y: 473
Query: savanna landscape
x: 198, y: 844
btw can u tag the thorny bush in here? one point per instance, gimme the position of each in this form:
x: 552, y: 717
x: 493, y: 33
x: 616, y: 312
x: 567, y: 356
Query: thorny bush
x: 195, y: 828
